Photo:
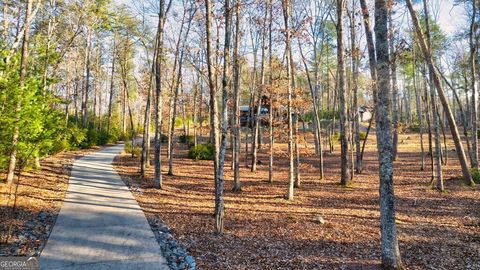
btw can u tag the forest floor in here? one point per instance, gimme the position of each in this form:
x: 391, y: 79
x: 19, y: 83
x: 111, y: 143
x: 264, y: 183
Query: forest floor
x: 265, y: 231
x: 40, y: 195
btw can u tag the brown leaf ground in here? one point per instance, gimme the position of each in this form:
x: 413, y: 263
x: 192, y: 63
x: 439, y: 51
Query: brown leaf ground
x: 39, y: 198
x: 264, y: 231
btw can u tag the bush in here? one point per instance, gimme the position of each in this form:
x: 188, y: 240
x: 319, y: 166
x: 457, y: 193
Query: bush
x: 415, y: 128
x: 475, y: 175
x: 76, y: 136
x: 336, y: 136
x: 62, y: 145
x: 91, y: 139
x: 187, y: 139
x: 137, y: 151
x: 362, y: 135
x: 201, y: 152
x: 105, y: 138
x: 326, y: 114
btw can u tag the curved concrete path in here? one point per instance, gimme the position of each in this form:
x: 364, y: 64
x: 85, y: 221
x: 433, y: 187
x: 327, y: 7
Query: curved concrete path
x: 101, y: 225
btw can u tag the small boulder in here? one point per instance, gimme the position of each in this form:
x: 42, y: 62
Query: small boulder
x: 319, y: 219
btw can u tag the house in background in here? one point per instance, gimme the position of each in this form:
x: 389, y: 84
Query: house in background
x: 364, y: 113
x: 247, y: 116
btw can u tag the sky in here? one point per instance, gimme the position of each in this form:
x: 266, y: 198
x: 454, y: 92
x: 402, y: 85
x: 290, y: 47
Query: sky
x: 450, y: 17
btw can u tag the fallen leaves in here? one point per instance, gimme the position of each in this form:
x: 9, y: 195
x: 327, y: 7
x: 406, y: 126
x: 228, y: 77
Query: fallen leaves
x: 264, y: 231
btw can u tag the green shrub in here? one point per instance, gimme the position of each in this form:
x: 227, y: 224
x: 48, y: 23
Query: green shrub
x: 137, y: 151
x: 362, y: 135
x: 105, y: 138
x: 76, y: 136
x: 92, y: 138
x: 62, y: 145
x: 415, y: 128
x: 123, y: 136
x: 201, y: 152
x: 326, y: 114
x: 187, y: 139
x: 475, y: 175
x: 336, y: 136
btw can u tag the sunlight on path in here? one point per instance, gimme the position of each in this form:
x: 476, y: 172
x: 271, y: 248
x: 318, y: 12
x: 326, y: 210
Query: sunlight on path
x: 101, y: 225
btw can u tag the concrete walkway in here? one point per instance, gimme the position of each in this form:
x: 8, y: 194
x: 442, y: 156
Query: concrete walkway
x: 101, y: 225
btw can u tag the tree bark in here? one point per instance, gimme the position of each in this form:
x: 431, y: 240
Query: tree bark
x: 393, y: 67
x: 373, y: 72
x: 260, y: 90
x: 286, y: 14
x: 437, y: 158
x: 18, y: 107
x: 219, y: 187
x: 218, y: 157
x: 345, y: 163
x: 87, y: 79
x: 355, y: 66
x: 237, y: 186
x: 112, y: 78
x: 474, y: 111
x: 390, y: 252
x: 158, y: 96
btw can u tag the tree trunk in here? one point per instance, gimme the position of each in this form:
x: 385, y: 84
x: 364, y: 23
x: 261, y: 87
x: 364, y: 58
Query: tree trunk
x: 260, y: 90
x: 272, y: 96
x: 419, y: 111
x: 434, y: 110
x: 390, y: 252
x: 18, y: 107
x: 87, y: 80
x: 218, y: 150
x: 373, y: 71
x: 316, y: 120
x: 286, y: 14
x: 393, y: 66
x: 345, y: 163
x: 158, y: 96
x: 144, y: 160
x: 355, y: 65
x: 236, y: 101
x: 175, y: 84
x: 473, y: 55
x: 112, y: 78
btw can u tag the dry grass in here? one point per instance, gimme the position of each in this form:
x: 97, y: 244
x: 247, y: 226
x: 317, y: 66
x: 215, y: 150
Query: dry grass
x: 264, y: 231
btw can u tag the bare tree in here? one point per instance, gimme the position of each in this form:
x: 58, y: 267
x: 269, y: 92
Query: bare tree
x: 473, y: 40
x: 158, y: 95
x: 236, y: 100
x: 389, y: 245
x: 345, y: 164
x: 446, y: 107
x: 434, y: 111
x: 373, y: 71
x: 286, y: 17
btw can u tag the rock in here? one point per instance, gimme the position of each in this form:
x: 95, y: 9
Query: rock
x: 189, y: 259
x: 22, y: 239
x: 30, y: 224
x: 42, y: 215
x: 319, y: 220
